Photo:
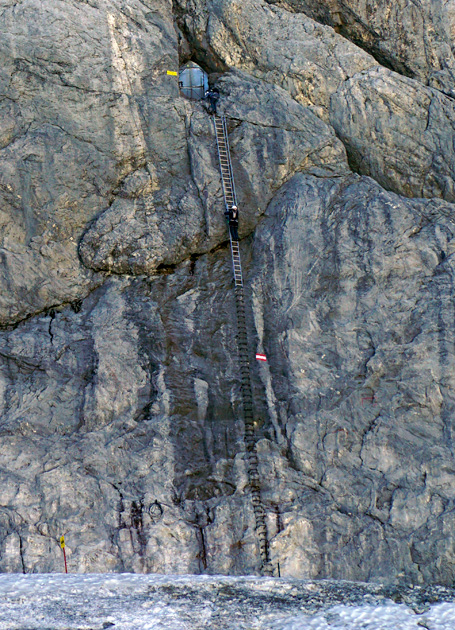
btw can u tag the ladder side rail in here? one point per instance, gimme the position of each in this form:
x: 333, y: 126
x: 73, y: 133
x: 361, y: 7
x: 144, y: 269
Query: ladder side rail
x: 226, y: 140
x: 250, y: 439
x: 235, y: 254
x: 220, y: 164
x: 225, y: 161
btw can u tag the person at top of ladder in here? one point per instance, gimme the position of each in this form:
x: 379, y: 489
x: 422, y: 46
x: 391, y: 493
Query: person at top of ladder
x: 233, y: 218
x: 212, y: 97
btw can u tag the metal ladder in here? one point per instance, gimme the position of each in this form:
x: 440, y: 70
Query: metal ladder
x: 224, y: 156
x: 227, y: 179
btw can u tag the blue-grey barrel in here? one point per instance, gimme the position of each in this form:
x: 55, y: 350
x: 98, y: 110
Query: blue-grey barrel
x: 193, y: 81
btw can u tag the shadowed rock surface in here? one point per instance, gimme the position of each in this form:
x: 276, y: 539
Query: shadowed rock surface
x: 121, y: 418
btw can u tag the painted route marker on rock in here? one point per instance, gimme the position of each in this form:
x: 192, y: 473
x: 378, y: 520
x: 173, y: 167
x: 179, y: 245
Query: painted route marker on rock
x: 261, y: 357
x: 62, y: 545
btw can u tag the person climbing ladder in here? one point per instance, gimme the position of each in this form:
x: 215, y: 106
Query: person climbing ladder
x: 234, y: 222
x: 212, y: 97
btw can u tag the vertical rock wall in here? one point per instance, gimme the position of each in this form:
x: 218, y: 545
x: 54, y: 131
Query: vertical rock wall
x: 120, y: 408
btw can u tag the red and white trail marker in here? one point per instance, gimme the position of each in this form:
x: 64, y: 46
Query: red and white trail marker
x: 261, y: 357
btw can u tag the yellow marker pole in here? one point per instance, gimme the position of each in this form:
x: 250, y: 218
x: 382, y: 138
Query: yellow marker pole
x: 171, y: 73
x: 62, y: 545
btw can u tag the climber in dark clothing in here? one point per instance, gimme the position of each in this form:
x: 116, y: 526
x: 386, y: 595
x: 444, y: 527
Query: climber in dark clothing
x: 212, y: 97
x: 234, y: 222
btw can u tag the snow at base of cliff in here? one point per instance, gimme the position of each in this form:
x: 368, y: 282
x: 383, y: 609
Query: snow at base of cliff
x: 163, y: 602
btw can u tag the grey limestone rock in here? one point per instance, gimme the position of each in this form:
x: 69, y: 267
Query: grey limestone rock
x: 76, y: 81
x: 122, y: 427
x: 395, y: 128
x: 413, y: 38
x: 273, y: 138
x: 397, y: 131
x: 121, y: 422
x: 380, y: 428
x: 290, y: 50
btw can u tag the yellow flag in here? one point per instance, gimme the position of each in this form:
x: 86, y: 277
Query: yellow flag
x: 172, y: 73
x: 62, y: 542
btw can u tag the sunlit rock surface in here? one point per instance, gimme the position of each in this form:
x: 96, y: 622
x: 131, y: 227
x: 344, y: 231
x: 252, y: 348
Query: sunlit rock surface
x: 413, y: 38
x: 120, y: 404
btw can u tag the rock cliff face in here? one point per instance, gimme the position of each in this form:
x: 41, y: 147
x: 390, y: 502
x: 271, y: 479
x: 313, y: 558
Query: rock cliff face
x: 121, y: 415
